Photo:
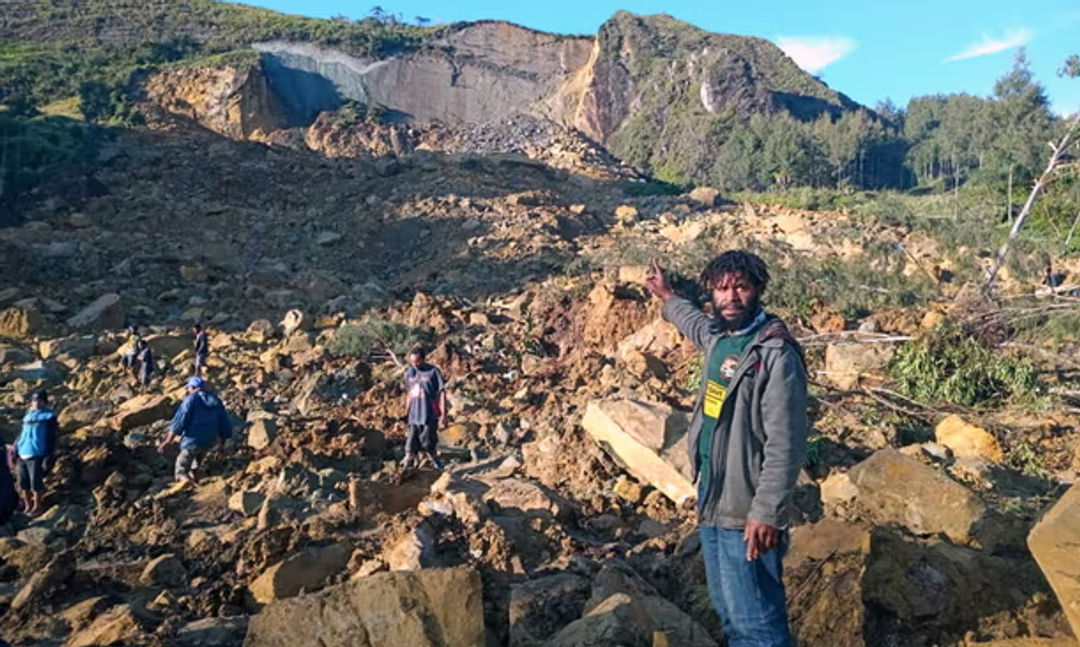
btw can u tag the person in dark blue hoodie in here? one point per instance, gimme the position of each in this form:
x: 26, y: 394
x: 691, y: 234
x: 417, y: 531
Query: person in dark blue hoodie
x: 200, y: 424
x: 36, y: 449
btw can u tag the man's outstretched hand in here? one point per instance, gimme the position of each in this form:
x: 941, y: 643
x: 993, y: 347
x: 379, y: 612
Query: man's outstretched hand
x: 760, y: 538
x: 656, y: 284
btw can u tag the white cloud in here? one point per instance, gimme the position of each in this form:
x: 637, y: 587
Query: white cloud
x: 814, y: 53
x: 988, y: 45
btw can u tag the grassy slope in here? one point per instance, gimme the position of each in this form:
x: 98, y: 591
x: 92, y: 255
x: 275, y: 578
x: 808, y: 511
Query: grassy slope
x: 671, y: 134
x: 48, y: 48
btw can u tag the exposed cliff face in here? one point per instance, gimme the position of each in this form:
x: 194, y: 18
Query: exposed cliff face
x: 642, y: 88
x: 482, y: 72
x: 234, y: 100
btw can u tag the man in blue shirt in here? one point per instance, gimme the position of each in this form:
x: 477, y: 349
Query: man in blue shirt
x: 425, y: 408
x: 200, y: 424
x: 36, y: 447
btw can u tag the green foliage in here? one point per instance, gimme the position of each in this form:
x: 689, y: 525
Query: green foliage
x: 1071, y: 67
x: 353, y: 112
x: 951, y: 365
x: 106, y: 40
x: 33, y: 148
x: 373, y: 336
x: 651, y: 187
x: 108, y: 103
x: 815, y: 450
x: 693, y: 376
x: 1027, y: 460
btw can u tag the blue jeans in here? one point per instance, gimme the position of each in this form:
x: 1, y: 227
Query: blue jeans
x: 748, y: 596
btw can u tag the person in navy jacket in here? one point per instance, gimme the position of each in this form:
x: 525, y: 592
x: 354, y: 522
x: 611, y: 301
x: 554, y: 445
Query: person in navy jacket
x: 200, y: 424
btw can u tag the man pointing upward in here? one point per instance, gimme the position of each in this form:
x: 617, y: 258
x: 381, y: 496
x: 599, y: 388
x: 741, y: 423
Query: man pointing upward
x: 747, y: 439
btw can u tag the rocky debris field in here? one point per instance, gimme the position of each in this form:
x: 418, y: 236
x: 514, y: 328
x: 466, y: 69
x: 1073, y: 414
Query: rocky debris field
x: 564, y: 514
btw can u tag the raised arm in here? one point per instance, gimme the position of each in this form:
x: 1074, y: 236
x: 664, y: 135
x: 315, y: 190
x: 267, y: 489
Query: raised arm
x: 688, y: 318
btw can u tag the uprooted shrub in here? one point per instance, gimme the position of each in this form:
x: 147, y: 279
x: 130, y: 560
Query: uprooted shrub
x: 375, y: 337
x: 952, y: 365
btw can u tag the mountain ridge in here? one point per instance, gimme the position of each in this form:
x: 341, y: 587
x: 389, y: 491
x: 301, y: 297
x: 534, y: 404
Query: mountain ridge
x: 644, y: 87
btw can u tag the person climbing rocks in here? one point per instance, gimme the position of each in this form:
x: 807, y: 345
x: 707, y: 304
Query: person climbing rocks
x: 145, y: 359
x: 35, y: 449
x: 128, y: 359
x: 425, y: 409
x: 747, y: 439
x: 200, y: 424
x: 202, y: 348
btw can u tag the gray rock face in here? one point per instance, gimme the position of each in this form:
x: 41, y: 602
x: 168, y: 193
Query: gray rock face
x: 492, y: 71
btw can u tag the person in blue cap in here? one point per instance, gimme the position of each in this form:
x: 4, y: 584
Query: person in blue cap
x: 36, y: 449
x: 200, y: 424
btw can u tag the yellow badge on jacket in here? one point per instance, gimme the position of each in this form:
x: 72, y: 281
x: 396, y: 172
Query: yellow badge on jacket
x: 714, y: 398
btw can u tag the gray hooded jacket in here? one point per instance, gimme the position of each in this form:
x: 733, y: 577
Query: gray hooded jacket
x: 760, y: 439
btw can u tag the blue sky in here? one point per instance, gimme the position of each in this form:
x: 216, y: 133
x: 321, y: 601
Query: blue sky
x: 868, y: 49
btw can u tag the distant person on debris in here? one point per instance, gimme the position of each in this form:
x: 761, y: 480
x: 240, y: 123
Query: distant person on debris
x: 145, y: 359
x: 202, y: 348
x: 35, y: 449
x: 425, y: 409
x: 127, y: 360
x: 746, y: 440
x: 200, y: 424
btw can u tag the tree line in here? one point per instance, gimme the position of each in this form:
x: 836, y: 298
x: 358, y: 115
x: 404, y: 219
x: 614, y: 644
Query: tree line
x: 937, y: 141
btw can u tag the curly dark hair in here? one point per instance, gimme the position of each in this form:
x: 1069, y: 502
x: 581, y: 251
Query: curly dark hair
x: 736, y: 261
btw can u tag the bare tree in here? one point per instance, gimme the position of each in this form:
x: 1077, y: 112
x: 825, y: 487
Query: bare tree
x: 1057, y: 160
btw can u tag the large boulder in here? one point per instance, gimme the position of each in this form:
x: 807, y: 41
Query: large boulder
x: 854, y: 586
x: 47, y: 579
x: 706, y: 196
x: 82, y: 413
x: 419, y: 608
x: 213, y: 632
x: 648, y: 438
x: 620, y: 620
x: 169, y: 346
x: 530, y: 498
x: 38, y: 372
x: 306, y: 570
x: 1054, y: 542
x: 142, y: 410
x: 261, y: 433
x: 10, y: 354
x: 413, y: 551
x: 105, y: 312
x: 246, y: 502
x: 164, y: 571
x: 79, y: 347
x: 825, y: 600
x: 662, y: 615
x: 293, y: 321
x: 966, y: 440
x: 893, y: 488
x: 540, y: 607
x: 846, y: 364
x: 117, y: 626
x: 22, y: 323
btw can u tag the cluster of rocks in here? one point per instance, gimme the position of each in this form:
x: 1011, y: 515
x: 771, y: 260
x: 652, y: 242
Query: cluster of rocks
x: 563, y: 518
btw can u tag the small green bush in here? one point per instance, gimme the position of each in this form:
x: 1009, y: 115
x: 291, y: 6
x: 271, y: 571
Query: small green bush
x: 950, y: 365
x: 375, y: 336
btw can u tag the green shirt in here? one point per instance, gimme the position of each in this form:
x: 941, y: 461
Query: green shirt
x: 719, y: 371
